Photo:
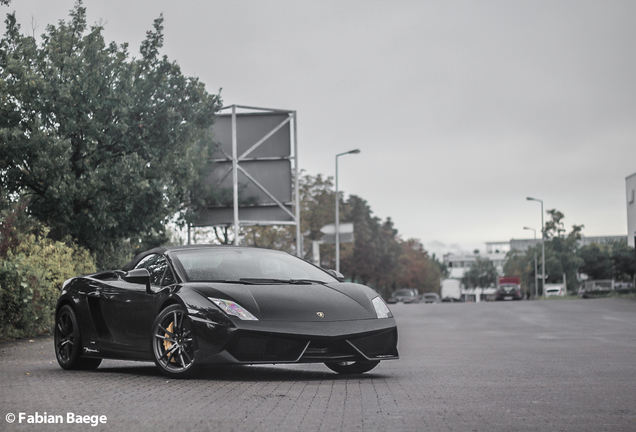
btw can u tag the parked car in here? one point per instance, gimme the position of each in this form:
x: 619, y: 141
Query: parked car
x: 430, y: 298
x: 190, y: 306
x: 508, y: 292
x: 404, y: 295
x: 554, y: 290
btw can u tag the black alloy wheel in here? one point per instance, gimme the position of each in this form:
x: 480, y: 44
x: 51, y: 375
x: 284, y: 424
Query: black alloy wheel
x: 173, y: 343
x: 352, y: 367
x: 68, y: 342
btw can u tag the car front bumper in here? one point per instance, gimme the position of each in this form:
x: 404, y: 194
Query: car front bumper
x: 253, y: 342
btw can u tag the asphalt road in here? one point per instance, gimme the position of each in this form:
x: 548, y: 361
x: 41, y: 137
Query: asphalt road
x: 561, y: 365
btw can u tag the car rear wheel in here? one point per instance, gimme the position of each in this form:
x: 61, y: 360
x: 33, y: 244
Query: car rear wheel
x: 68, y: 342
x: 173, y: 343
x: 352, y: 367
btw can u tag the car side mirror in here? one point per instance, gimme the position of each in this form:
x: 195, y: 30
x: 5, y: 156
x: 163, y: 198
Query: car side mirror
x: 139, y: 276
x: 336, y: 274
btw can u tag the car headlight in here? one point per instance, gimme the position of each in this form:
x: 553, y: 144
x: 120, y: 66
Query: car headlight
x: 381, y: 309
x: 233, y: 308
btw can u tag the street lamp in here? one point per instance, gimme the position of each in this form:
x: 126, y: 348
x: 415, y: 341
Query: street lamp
x: 535, y: 259
x: 356, y: 151
x: 542, y: 246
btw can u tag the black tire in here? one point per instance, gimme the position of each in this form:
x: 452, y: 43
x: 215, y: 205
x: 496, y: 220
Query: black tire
x: 354, y: 367
x: 173, y: 343
x: 68, y: 342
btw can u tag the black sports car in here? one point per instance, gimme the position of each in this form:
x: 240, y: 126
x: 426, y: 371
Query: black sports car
x: 189, y: 306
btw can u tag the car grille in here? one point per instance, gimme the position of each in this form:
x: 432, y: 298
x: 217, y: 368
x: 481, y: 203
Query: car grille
x: 254, y: 347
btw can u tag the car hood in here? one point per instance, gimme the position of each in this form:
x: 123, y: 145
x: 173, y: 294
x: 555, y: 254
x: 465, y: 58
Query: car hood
x: 283, y: 302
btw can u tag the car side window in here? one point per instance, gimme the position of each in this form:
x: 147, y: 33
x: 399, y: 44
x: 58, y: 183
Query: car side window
x: 168, y: 277
x: 156, y: 266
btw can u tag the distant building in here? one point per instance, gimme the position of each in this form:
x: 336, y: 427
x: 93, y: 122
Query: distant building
x: 460, y: 264
x: 630, y: 187
x: 523, y: 244
x: 585, y: 241
x: 496, y: 252
x: 497, y: 247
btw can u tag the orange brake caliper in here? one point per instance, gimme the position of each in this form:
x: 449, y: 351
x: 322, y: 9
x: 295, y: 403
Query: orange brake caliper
x: 166, y: 343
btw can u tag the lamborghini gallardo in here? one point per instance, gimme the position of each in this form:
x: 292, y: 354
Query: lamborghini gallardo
x: 188, y: 307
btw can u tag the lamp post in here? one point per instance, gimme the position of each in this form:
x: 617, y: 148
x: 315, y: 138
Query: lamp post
x: 535, y: 259
x: 542, y: 246
x: 356, y: 151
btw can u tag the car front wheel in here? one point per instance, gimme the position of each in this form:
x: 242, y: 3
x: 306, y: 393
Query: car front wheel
x: 173, y: 343
x: 68, y: 342
x: 352, y: 367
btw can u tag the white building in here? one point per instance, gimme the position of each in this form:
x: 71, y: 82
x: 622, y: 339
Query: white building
x: 496, y: 251
x: 460, y: 264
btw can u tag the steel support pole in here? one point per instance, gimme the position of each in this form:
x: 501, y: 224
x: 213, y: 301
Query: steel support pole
x: 235, y: 177
x: 542, y: 252
x: 337, y: 223
x: 536, y: 272
x: 299, y: 238
x: 542, y: 246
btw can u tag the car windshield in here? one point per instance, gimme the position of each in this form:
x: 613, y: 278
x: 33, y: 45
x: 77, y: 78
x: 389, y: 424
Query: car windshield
x: 247, y: 265
x: 403, y: 292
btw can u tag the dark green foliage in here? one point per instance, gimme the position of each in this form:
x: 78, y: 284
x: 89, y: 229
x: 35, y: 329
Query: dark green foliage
x: 561, y: 251
x: 376, y: 251
x: 597, y: 262
x: 32, y: 270
x: 104, y: 147
x: 608, y: 261
x: 623, y: 262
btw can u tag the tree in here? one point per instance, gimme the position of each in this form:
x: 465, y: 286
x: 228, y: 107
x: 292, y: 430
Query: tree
x: 561, y: 256
x: 417, y: 270
x: 597, y: 261
x: 376, y: 253
x: 482, y: 274
x: 623, y: 265
x: 521, y: 263
x: 614, y: 260
x: 103, y: 147
x: 561, y: 251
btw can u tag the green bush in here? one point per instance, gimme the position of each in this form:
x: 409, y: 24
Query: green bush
x: 31, y: 278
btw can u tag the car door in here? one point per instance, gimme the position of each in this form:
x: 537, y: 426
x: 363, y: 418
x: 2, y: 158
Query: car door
x: 128, y: 308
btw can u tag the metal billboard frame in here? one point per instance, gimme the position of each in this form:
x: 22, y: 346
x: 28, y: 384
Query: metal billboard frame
x: 236, y: 159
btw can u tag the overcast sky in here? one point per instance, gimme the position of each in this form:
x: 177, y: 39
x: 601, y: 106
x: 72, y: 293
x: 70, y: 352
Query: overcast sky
x: 461, y: 109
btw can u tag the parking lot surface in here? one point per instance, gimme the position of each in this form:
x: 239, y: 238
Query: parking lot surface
x: 558, y: 365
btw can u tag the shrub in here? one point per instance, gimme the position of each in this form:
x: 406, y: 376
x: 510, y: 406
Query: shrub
x: 31, y: 277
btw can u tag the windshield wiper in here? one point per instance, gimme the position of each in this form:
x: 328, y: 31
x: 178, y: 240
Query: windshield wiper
x: 232, y: 281
x: 281, y: 281
x: 306, y: 281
